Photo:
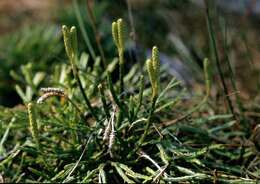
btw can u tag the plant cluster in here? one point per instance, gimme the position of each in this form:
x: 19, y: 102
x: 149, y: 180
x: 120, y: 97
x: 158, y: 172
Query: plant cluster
x: 96, y: 130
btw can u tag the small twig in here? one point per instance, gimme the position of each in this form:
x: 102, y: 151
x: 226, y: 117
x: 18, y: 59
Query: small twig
x: 157, y: 130
x: 77, y: 163
x: 112, y: 134
x: 160, y: 174
x: 162, y: 170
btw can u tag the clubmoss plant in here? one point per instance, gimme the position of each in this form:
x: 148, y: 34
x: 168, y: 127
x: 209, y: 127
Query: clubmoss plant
x: 153, y: 69
x: 118, y: 33
x: 33, y: 124
x: 70, y: 41
x: 129, y: 144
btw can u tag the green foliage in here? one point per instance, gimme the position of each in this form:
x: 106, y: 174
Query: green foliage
x: 32, y: 82
x: 119, y: 139
x: 39, y: 44
x: 74, y: 147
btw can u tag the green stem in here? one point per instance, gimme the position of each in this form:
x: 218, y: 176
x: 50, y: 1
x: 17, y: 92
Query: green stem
x: 75, y: 105
x: 147, y: 127
x: 76, y: 75
x: 33, y: 125
x: 103, y: 99
x: 140, y: 98
x: 121, y: 71
x: 232, y: 75
x: 148, y: 122
x: 111, y: 88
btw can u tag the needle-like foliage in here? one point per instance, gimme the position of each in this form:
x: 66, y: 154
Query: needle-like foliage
x: 149, y: 135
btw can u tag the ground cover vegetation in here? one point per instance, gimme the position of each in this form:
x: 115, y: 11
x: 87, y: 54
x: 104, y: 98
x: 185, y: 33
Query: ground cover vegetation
x: 92, y: 118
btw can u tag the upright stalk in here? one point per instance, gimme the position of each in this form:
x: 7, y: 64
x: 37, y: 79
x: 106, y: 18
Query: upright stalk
x: 70, y: 41
x: 214, y: 46
x: 232, y: 75
x: 153, y: 68
x: 118, y: 33
x: 83, y: 30
x: 103, y: 99
x: 119, y: 103
x: 121, y: 71
x: 33, y: 125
